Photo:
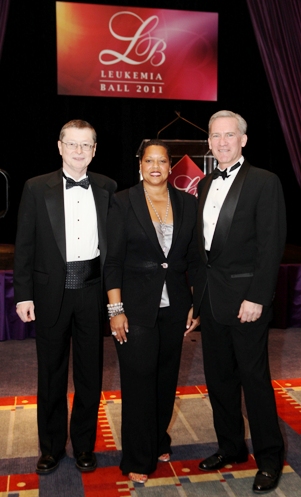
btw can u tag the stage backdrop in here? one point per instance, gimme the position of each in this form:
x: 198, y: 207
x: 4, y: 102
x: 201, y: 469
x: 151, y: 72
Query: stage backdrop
x: 135, y: 52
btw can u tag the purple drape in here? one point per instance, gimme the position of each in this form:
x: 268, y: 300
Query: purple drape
x: 11, y: 327
x: 277, y: 26
x: 4, y: 5
x: 287, y: 302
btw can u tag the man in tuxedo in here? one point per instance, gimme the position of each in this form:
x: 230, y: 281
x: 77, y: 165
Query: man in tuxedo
x: 241, y: 231
x: 58, y: 279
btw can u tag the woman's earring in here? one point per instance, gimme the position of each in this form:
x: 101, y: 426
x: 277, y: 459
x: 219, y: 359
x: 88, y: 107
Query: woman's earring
x: 170, y: 171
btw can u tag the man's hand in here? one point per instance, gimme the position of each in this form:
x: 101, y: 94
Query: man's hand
x: 249, y: 311
x: 25, y: 311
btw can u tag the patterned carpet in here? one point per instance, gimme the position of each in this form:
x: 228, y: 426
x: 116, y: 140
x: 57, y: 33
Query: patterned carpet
x: 193, y: 439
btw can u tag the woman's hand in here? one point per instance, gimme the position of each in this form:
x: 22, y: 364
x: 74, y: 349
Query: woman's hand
x: 191, y: 324
x: 119, y: 327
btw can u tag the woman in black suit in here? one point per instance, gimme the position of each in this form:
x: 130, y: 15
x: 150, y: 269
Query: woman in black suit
x: 151, y: 262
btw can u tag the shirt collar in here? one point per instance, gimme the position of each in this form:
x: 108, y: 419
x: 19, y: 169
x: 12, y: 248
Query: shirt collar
x: 241, y: 160
x: 69, y: 176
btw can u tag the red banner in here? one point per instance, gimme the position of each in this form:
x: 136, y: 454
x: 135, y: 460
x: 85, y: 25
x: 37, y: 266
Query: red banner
x: 133, y: 52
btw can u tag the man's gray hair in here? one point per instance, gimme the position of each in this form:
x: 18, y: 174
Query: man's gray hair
x: 242, y: 124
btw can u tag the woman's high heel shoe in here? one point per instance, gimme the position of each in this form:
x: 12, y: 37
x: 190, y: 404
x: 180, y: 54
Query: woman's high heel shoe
x: 138, y: 478
x: 164, y: 458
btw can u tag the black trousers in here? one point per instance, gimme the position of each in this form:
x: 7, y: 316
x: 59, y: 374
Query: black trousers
x: 79, y: 319
x: 149, y: 365
x: 236, y: 358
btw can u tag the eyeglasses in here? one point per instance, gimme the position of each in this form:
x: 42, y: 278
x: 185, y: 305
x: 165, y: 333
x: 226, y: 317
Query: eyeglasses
x: 86, y: 147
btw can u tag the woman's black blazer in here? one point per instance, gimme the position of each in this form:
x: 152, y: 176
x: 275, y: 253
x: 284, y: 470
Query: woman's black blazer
x: 135, y: 262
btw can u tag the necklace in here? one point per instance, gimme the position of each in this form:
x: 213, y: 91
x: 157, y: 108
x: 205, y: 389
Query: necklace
x: 161, y: 221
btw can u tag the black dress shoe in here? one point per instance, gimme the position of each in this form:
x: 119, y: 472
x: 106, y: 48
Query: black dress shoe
x: 86, y: 461
x: 217, y: 461
x: 265, y: 481
x: 47, y: 463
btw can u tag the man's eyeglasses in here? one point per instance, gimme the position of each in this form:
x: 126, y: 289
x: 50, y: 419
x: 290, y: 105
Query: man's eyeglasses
x: 86, y: 147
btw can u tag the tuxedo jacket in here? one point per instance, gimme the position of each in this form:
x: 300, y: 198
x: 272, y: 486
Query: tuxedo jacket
x: 247, y: 245
x: 40, y: 249
x: 136, y: 263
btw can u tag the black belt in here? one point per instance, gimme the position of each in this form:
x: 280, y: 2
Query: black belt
x: 82, y: 273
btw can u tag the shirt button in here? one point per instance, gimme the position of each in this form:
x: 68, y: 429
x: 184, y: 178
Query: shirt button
x: 164, y: 265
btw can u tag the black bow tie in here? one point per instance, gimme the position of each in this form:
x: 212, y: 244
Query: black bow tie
x: 84, y: 183
x: 223, y: 174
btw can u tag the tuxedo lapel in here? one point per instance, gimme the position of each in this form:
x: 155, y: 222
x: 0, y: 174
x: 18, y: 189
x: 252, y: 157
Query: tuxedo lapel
x: 139, y: 205
x: 101, y: 198
x: 177, y: 209
x: 227, y: 212
x: 54, y: 198
x: 200, y: 227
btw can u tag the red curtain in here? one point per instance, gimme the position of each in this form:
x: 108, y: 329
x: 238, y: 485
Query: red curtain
x: 277, y: 26
x: 4, y: 5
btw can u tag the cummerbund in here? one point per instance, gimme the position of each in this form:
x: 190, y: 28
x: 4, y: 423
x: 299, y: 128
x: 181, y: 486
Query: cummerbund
x: 82, y: 273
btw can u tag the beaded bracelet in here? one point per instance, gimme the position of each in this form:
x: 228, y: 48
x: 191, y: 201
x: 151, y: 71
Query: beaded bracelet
x: 115, y: 309
x: 116, y: 313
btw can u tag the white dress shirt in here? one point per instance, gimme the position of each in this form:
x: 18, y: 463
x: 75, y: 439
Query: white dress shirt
x: 80, y: 223
x: 214, y: 201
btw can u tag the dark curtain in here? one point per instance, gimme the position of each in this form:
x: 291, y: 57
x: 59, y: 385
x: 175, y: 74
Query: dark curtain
x: 277, y: 26
x: 4, y: 5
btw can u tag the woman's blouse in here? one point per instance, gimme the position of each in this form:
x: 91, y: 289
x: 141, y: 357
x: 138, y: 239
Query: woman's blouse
x: 164, y: 234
